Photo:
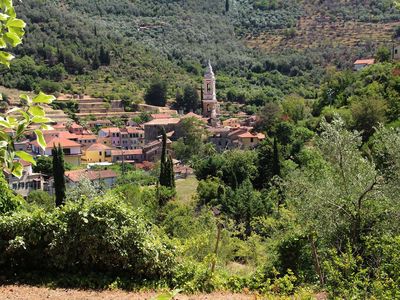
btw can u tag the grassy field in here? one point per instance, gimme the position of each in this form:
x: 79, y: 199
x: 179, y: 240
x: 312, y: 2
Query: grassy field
x: 186, y: 188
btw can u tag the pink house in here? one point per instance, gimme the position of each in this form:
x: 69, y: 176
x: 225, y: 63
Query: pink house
x: 113, y: 133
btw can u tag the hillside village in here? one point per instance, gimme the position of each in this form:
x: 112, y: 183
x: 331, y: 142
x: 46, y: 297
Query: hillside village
x: 247, y: 149
x: 99, y: 143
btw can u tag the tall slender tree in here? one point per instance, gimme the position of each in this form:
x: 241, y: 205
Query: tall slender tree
x: 58, y: 172
x: 276, y: 169
x: 167, y: 177
x: 227, y: 6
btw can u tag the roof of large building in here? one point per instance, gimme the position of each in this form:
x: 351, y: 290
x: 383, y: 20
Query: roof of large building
x: 111, y: 129
x: 87, y: 137
x: 369, y: 61
x: 134, y: 130
x: 127, y: 152
x: 77, y: 175
x: 75, y: 126
x: 163, y: 121
x: 251, y: 135
x: 68, y: 135
x: 63, y: 142
x: 98, y: 147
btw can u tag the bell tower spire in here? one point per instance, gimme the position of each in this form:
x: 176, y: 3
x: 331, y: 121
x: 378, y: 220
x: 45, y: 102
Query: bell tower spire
x: 210, y: 103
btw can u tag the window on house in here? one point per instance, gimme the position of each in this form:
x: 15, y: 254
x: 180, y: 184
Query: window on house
x: 395, y: 51
x: 252, y: 140
x: 14, y: 186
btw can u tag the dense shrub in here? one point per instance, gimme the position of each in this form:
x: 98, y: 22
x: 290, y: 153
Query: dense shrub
x: 8, y: 201
x: 101, y: 235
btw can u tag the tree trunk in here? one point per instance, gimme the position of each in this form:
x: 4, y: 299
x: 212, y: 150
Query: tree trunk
x: 317, y: 264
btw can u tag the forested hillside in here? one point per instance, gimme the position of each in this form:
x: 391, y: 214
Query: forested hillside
x: 115, y: 48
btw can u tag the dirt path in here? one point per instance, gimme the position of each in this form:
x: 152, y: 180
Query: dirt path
x: 13, y: 292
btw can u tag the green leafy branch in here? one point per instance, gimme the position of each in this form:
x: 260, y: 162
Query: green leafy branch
x: 15, y: 122
x: 13, y: 126
x: 11, y: 30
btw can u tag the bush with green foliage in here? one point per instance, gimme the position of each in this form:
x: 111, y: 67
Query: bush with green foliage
x: 102, y: 235
x: 8, y: 201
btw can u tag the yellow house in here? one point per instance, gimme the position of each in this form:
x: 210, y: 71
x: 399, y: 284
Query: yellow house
x: 97, y: 153
x: 249, y: 140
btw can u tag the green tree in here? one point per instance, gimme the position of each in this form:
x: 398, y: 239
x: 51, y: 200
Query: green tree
x: 268, y: 117
x: 44, y: 165
x: 167, y: 175
x: 383, y: 54
x: 8, y: 201
x: 41, y: 199
x: 367, y: 113
x: 190, y: 100
x: 276, y: 166
x: 227, y: 6
x: 340, y: 196
x: 265, y: 164
x: 59, y: 173
x: 157, y: 93
x: 191, y: 142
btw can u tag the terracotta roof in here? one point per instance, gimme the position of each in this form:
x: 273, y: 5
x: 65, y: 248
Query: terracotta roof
x: 74, y: 125
x: 51, y: 132
x: 146, y: 165
x: 65, y: 143
x: 77, y: 175
x: 87, y: 137
x: 369, y: 61
x: 111, y: 130
x: 163, y: 121
x: 98, y: 147
x: 68, y: 135
x: 127, y: 152
x: 134, y: 130
x: 250, y: 135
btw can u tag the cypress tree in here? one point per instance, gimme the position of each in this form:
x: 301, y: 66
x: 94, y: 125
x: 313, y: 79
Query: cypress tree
x: 276, y: 167
x: 58, y: 173
x: 227, y: 6
x: 171, y: 172
x: 167, y: 175
x: 164, y: 180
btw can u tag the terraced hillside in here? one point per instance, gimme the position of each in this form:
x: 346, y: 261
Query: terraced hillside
x: 337, y: 24
x: 113, y: 49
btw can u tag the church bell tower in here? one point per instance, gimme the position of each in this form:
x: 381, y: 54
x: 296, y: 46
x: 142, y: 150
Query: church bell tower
x: 210, y: 103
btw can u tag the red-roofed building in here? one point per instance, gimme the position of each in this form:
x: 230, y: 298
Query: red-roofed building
x: 72, y: 150
x: 363, y: 63
x: 106, y: 177
x: 75, y: 128
x: 97, y: 153
x: 128, y: 156
x: 132, y: 138
x: 153, y: 128
x: 87, y: 139
x: 250, y: 140
x: 113, y: 133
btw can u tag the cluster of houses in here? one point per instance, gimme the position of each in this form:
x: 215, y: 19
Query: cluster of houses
x: 138, y: 144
